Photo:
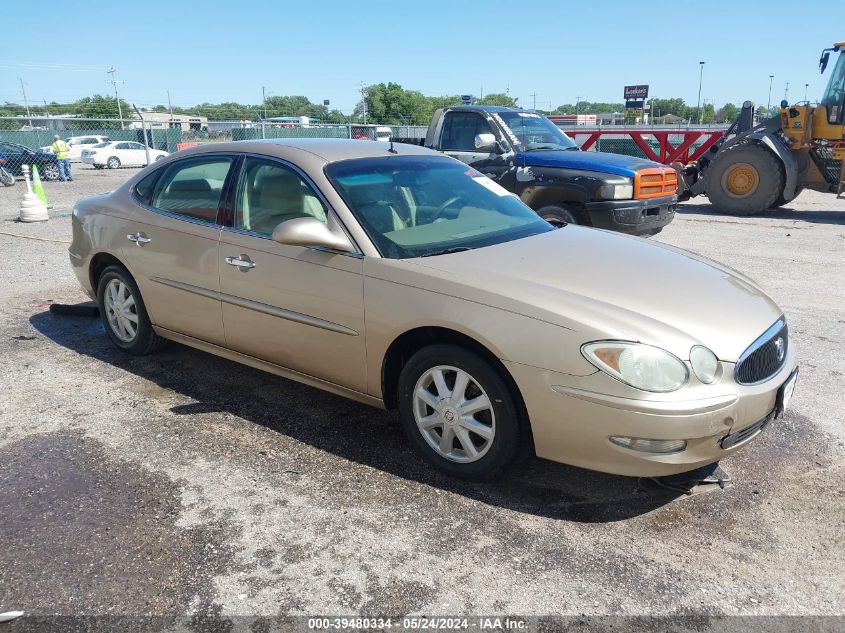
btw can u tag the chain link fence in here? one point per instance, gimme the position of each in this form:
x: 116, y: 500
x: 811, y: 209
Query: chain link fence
x: 114, y: 143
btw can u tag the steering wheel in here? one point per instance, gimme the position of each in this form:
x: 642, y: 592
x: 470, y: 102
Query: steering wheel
x: 448, y: 203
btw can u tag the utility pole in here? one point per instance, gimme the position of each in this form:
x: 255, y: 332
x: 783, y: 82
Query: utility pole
x: 25, y: 102
x: 264, y: 101
x: 111, y: 71
x: 169, y: 104
x: 805, y: 91
x: 769, y: 102
x: 534, y: 96
x: 577, y: 103
x: 46, y: 111
x: 364, y: 101
x: 786, y: 92
x: 700, y: 77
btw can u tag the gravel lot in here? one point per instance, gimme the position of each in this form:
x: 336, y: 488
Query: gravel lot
x: 185, y: 485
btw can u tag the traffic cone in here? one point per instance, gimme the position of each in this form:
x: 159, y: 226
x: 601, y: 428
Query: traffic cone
x: 32, y: 209
x: 37, y: 187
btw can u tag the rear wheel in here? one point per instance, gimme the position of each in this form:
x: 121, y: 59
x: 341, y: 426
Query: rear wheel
x: 113, y: 162
x: 557, y: 216
x: 51, y: 171
x: 458, y: 412
x: 124, y: 314
x: 745, y: 180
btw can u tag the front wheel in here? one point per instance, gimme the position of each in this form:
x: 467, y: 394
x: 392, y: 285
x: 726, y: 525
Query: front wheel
x: 744, y: 180
x: 124, y: 314
x: 113, y: 162
x: 458, y: 412
x: 557, y: 216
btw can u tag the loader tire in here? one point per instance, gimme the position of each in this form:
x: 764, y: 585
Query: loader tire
x: 745, y: 180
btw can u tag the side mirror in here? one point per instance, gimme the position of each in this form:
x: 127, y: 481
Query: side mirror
x: 485, y: 142
x: 310, y: 232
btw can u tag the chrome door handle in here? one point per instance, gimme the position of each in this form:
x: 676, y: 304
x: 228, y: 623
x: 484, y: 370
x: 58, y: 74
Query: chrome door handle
x: 242, y: 262
x: 139, y: 238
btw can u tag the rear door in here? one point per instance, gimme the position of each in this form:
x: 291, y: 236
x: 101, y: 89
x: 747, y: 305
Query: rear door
x: 172, y: 245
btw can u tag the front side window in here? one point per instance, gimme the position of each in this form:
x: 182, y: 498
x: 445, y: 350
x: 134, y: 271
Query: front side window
x: 270, y: 193
x: 193, y: 188
x: 415, y: 206
x: 460, y: 129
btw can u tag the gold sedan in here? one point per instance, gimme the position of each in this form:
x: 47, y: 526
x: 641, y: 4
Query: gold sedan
x: 403, y: 279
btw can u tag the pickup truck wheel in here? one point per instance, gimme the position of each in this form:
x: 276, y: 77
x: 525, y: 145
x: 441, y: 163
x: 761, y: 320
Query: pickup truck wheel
x: 745, y: 180
x: 557, y: 216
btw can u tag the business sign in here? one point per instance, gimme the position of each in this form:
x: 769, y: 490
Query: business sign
x: 466, y: 99
x: 636, y: 92
x: 634, y: 105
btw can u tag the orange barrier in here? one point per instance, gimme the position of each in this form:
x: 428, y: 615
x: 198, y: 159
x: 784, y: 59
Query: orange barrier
x: 181, y: 146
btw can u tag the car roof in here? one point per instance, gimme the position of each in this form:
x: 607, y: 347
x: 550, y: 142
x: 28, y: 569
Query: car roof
x: 328, y: 150
x: 486, y: 108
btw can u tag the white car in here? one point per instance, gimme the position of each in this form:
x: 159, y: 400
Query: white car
x: 114, y: 154
x: 78, y: 143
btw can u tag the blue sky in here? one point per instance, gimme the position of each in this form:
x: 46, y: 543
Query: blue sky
x: 559, y: 50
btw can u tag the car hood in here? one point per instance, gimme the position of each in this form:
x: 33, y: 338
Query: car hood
x: 612, y: 286
x: 617, y: 164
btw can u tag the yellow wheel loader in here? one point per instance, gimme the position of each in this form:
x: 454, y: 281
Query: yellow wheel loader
x: 754, y: 168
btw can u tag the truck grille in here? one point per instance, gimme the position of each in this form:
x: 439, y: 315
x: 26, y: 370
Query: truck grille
x: 764, y: 357
x: 655, y: 183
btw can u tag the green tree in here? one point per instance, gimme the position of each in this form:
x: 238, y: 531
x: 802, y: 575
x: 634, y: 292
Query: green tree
x: 100, y: 107
x: 499, y: 99
x: 728, y: 113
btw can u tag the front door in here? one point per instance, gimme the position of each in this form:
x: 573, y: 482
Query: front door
x: 300, y: 308
x: 457, y: 139
x: 172, y: 246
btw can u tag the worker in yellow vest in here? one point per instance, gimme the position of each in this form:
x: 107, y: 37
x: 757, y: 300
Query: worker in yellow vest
x: 62, y: 152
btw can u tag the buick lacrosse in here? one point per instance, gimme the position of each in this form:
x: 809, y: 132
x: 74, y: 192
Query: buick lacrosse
x: 399, y: 277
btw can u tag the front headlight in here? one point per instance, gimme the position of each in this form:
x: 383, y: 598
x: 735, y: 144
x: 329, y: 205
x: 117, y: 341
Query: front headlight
x: 640, y: 366
x: 616, y: 192
x: 704, y: 364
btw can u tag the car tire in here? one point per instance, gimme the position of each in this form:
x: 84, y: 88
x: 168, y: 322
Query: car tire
x: 128, y: 327
x: 744, y: 180
x: 558, y: 216
x: 490, y: 427
x: 780, y: 201
x: 113, y: 162
x: 51, y: 171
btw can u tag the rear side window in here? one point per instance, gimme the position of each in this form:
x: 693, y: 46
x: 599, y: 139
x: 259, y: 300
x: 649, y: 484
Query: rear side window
x: 144, y: 189
x: 193, y: 188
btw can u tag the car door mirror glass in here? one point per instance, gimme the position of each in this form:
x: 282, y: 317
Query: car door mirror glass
x: 310, y: 232
x: 485, y: 142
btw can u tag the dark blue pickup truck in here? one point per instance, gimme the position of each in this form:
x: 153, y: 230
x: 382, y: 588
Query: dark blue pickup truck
x: 530, y: 156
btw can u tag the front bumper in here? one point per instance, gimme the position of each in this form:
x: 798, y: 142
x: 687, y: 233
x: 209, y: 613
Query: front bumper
x: 635, y: 217
x: 572, y: 419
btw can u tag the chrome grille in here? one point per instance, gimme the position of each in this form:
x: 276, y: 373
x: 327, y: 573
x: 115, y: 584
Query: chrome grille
x: 764, y: 357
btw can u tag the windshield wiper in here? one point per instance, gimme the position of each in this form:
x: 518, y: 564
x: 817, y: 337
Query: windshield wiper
x: 448, y: 251
x: 541, y: 147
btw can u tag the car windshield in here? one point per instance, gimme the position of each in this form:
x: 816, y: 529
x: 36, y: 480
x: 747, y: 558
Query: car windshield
x: 417, y: 206
x: 531, y: 131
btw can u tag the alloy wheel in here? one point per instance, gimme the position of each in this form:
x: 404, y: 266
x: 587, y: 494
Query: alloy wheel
x: 121, y: 310
x: 454, y: 414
